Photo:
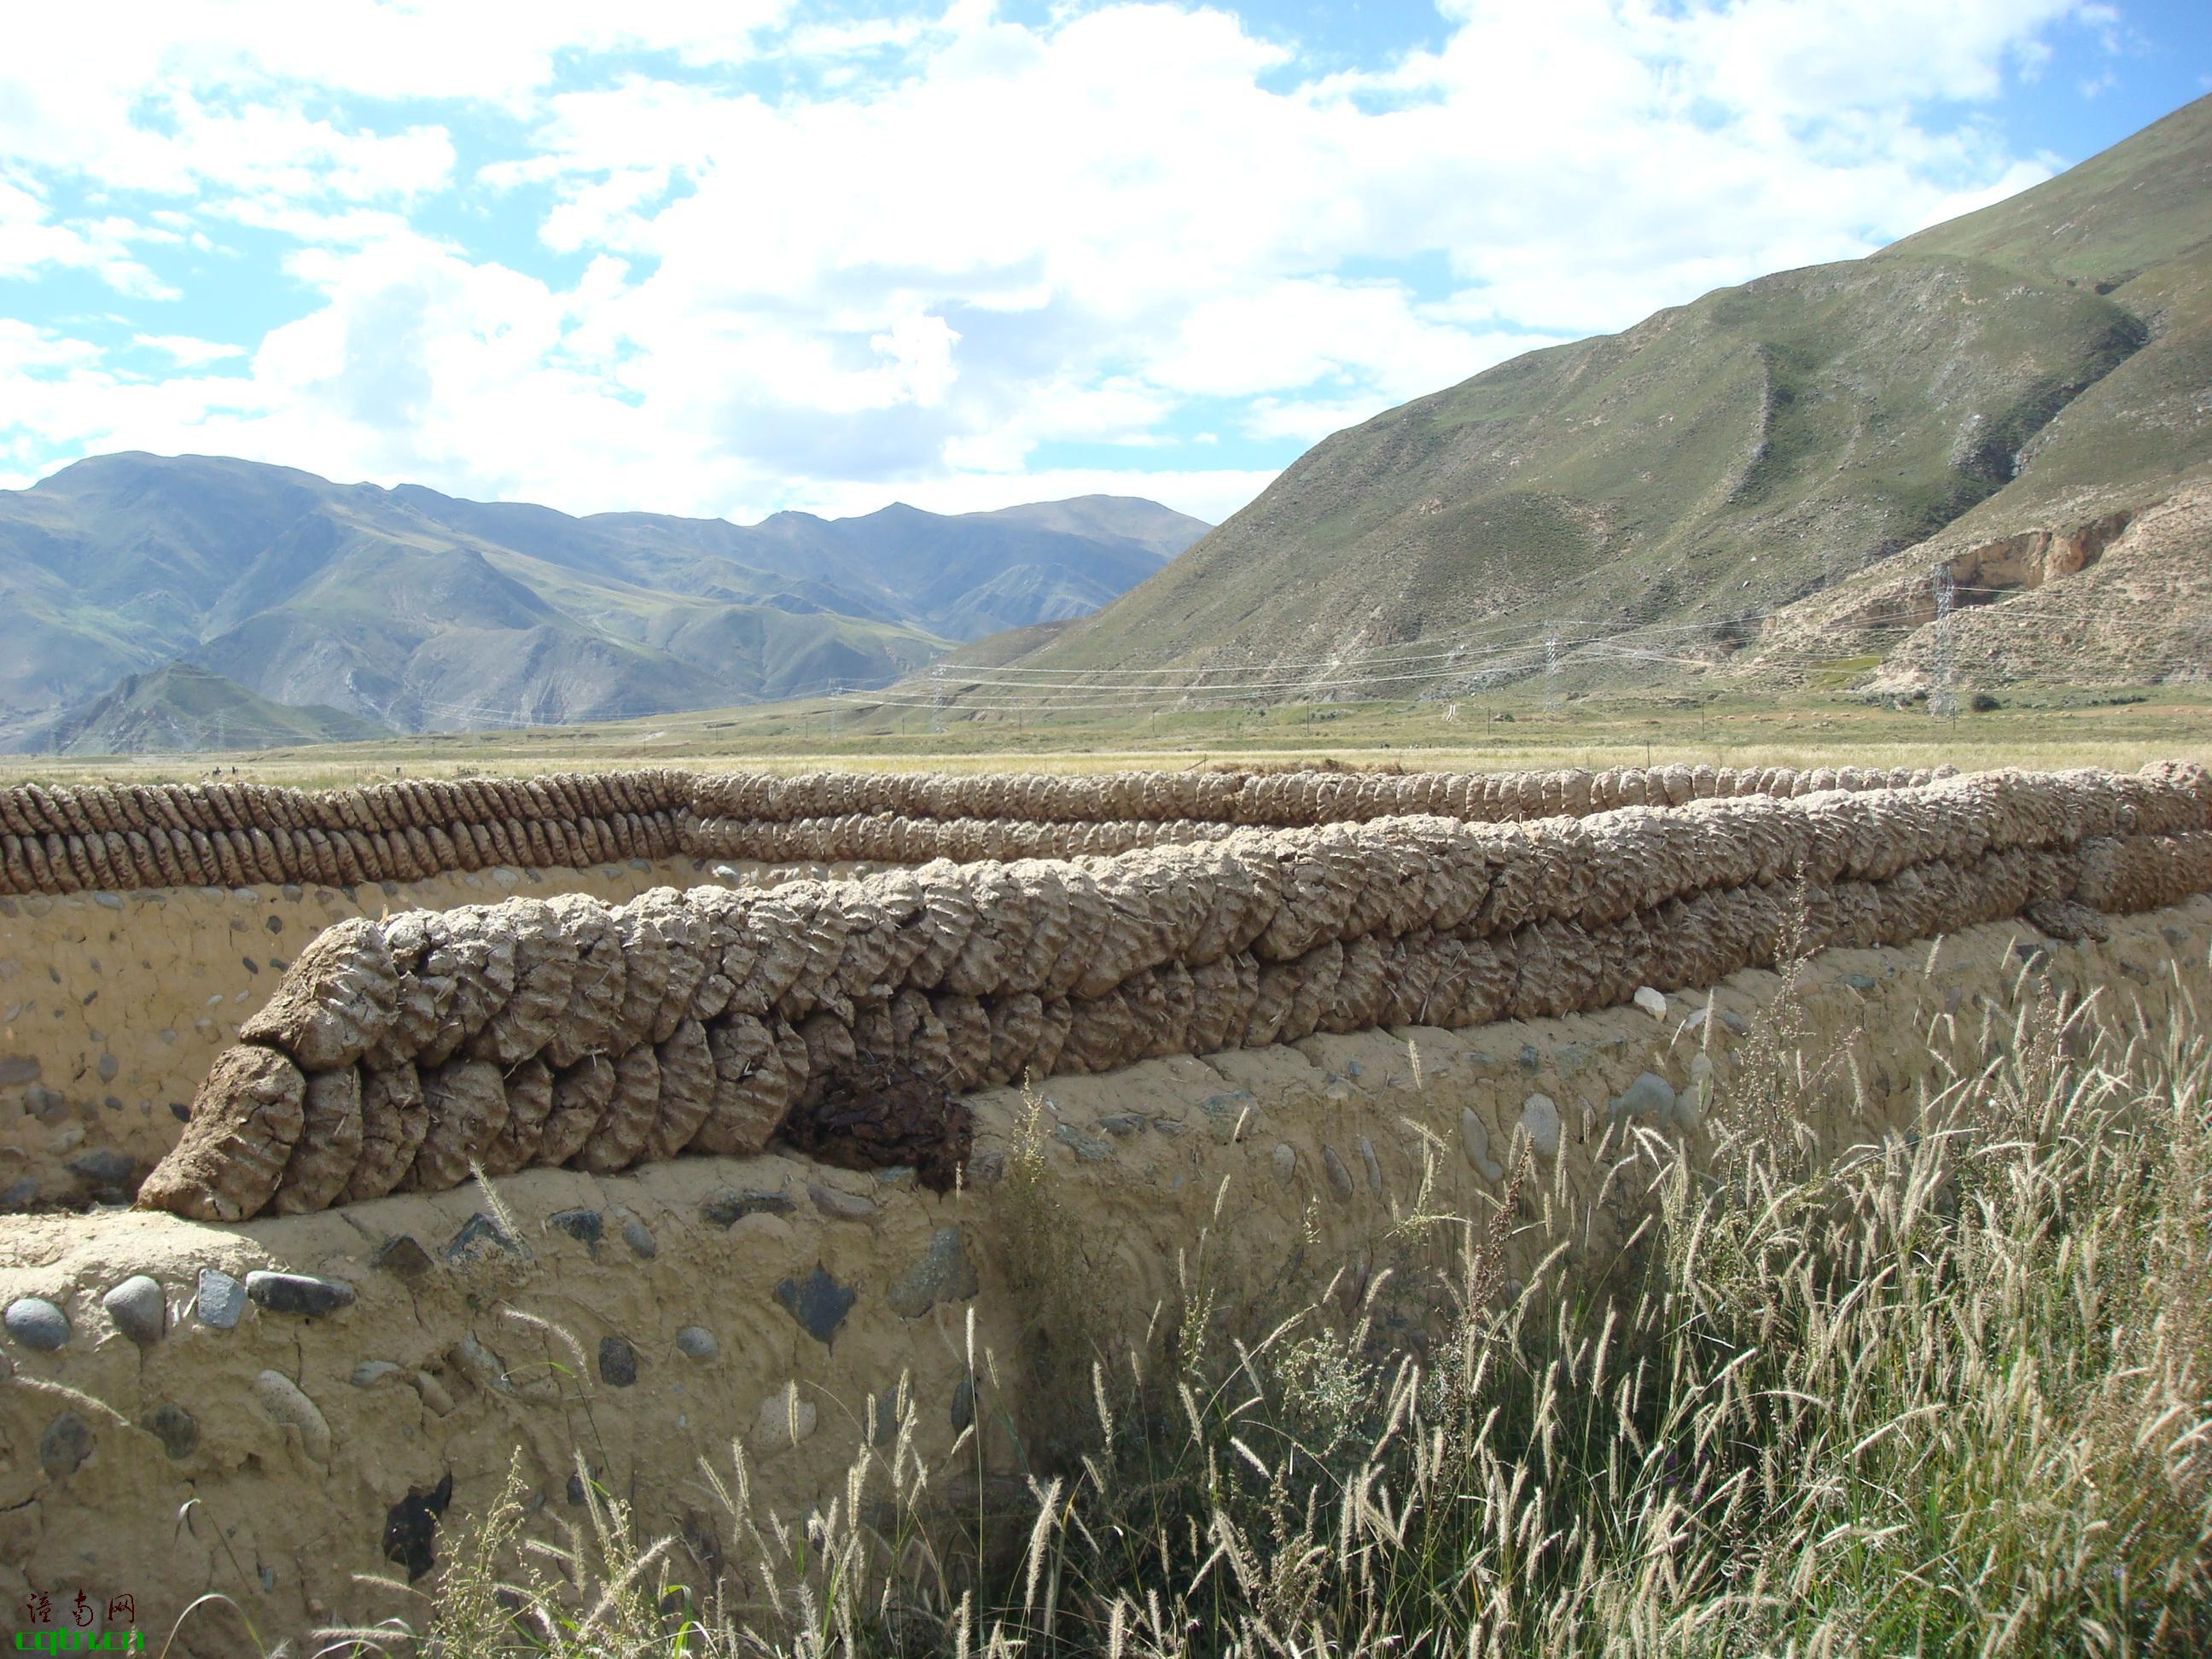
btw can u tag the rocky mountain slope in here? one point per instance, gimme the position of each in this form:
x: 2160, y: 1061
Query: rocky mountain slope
x: 416, y: 612
x: 1768, y: 473
x: 179, y: 708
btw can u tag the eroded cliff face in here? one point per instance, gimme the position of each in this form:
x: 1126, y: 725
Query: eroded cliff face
x: 2095, y: 595
x: 2136, y: 610
x: 268, y: 1409
x: 2037, y: 556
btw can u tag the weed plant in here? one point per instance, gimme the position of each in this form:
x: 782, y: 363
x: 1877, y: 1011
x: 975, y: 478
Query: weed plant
x: 1950, y: 1394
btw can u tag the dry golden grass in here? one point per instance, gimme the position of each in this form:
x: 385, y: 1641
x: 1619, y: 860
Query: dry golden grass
x: 1949, y: 1394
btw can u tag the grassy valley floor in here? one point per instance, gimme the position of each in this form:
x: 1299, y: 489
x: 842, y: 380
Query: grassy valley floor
x: 2047, y: 727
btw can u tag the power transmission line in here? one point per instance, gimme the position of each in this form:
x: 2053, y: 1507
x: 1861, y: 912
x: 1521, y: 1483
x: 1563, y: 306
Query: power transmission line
x: 1348, y: 667
x: 1941, y: 700
x: 1150, y: 699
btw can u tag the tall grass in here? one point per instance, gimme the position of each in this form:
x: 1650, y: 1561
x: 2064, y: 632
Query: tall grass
x: 1949, y: 1395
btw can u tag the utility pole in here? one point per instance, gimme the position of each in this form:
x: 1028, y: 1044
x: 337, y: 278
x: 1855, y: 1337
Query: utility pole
x: 1942, y: 699
x: 936, y: 698
x: 1551, y: 673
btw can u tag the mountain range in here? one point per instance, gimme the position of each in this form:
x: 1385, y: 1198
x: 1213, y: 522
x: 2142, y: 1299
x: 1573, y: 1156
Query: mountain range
x: 1764, y: 480
x: 1770, y: 484
x: 364, y: 609
x: 178, y: 708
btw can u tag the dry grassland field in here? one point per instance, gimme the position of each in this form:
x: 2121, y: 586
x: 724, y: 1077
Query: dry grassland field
x: 2049, y: 729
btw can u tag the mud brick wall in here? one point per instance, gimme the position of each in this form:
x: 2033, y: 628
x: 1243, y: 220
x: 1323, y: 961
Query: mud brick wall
x: 395, y: 1055
x: 100, y: 838
x: 1286, y: 799
x: 97, y: 838
x: 141, y: 925
x: 113, y: 1005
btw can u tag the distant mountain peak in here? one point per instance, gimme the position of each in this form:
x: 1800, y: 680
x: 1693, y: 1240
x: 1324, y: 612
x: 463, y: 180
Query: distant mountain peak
x: 417, y: 610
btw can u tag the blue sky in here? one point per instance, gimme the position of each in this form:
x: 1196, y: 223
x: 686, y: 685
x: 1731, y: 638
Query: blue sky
x: 723, y: 259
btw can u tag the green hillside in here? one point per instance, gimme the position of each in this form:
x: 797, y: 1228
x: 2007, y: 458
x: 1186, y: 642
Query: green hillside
x: 2133, y: 225
x: 182, y: 709
x: 1764, y: 445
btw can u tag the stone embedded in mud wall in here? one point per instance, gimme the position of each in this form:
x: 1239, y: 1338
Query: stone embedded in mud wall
x: 99, y: 838
x: 842, y: 1000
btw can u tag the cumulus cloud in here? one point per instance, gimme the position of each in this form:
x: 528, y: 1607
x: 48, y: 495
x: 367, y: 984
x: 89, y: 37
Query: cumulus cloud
x: 185, y: 349
x: 35, y: 240
x: 721, y: 258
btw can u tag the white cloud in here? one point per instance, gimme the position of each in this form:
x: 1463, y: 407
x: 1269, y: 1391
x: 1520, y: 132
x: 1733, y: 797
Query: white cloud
x: 1783, y: 60
x: 81, y: 74
x: 190, y: 352
x: 23, y: 348
x: 52, y: 383
x: 33, y: 240
x: 2014, y: 178
x: 923, y: 251
x: 1296, y: 331
x: 1305, y: 420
